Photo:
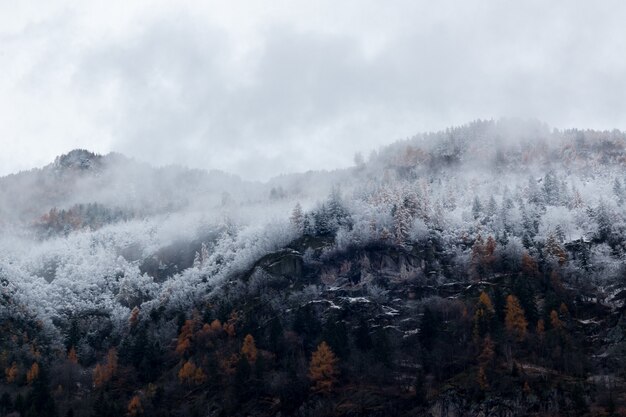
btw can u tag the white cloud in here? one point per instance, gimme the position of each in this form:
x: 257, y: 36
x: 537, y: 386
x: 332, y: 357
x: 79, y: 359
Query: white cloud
x: 261, y: 88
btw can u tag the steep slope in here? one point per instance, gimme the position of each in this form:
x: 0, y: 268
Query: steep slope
x: 479, y: 270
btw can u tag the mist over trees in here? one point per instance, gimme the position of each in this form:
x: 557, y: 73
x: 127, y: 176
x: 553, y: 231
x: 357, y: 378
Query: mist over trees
x: 104, y: 262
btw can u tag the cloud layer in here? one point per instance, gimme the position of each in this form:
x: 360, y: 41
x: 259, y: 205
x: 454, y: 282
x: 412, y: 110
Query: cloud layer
x: 261, y: 90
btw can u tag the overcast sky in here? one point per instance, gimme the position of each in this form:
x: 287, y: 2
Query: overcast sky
x: 260, y: 88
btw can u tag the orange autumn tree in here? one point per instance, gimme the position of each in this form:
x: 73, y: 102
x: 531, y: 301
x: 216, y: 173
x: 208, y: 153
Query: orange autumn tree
x: 541, y: 329
x: 185, y: 337
x: 323, y: 369
x: 104, y: 373
x: 483, y: 315
x: 478, y: 253
x: 133, y: 319
x: 481, y: 378
x: 555, y: 321
x: 515, y: 320
x: 529, y: 266
x: 134, y: 407
x: 485, y: 361
x: 229, y: 326
x: 216, y: 326
x: 11, y: 373
x: 72, y: 356
x: 488, y: 352
x: 554, y: 248
x: 248, y: 350
x: 33, y: 373
x: 189, y: 374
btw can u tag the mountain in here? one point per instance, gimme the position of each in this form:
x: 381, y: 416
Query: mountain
x: 474, y: 271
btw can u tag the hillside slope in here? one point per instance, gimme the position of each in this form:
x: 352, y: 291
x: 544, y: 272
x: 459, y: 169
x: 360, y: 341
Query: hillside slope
x: 475, y: 271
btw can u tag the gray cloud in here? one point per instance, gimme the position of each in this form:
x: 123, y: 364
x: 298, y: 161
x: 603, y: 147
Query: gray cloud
x: 290, y: 92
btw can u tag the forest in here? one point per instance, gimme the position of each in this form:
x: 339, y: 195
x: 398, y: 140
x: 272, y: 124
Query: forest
x: 477, y: 270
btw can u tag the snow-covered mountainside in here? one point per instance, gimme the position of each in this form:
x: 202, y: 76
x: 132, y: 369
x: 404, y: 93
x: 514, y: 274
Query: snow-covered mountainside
x: 478, y: 269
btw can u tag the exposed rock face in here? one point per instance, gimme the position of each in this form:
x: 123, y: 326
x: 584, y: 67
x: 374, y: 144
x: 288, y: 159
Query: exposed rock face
x: 287, y: 263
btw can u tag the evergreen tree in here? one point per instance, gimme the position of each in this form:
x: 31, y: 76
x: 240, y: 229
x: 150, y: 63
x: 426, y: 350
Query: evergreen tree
x: 477, y: 208
x: 6, y: 404
x: 335, y: 334
x: 492, y: 208
x: 618, y: 191
x: 429, y: 328
x: 297, y: 218
x: 39, y: 401
x: 362, y: 338
x: 603, y: 219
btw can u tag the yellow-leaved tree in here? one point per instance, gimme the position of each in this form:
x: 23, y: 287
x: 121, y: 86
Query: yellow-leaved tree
x: 248, y: 350
x: 11, y: 373
x: 190, y: 374
x: 483, y: 315
x: 323, y: 368
x: 72, y: 356
x: 104, y: 373
x: 134, y: 406
x: 133, y: 319
x: 515, y: 320
x: 33, y: 373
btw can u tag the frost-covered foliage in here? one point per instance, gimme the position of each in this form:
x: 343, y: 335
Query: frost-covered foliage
x: 97, y: 273
x: 527, y: 189
x: 118, y: 234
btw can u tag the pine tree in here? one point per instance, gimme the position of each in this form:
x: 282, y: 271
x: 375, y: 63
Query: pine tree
x: 515, y: 320
x: 551, y: 188
x: 133, y: 319
x: 401, y: 224
x: 39, y: 401
x: 481, y: 378
x: 555, y: 321
x: 248, y: 350
x: 111, y: 366
x: 603, y: 219
x: 323, y: 369
x: 489, y: 258
x: 429, y: 328
x: 618, y: 191
x: 492, y: 208
x: 134, y: 406
x: 99, y: 376
x: 72, y: 356
x: 487, y: 353
x: 11, y: 373
x: 297, y: 218
x: 362, y: 338
x: 189, y: 374
x: 541, y: 329
x: 529, y: 266
x: 554, y: 248
x: 477, y: 208
x: 478, y: 254
x: 483, y: 315
x: 102, y: 374
x: 33, y: 373
x: 185, y: 337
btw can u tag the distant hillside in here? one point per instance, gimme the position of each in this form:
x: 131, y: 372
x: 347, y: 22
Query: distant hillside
x: 112, y: 181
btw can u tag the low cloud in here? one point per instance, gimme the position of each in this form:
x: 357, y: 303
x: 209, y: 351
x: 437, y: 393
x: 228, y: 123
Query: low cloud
x: 281, y: 93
